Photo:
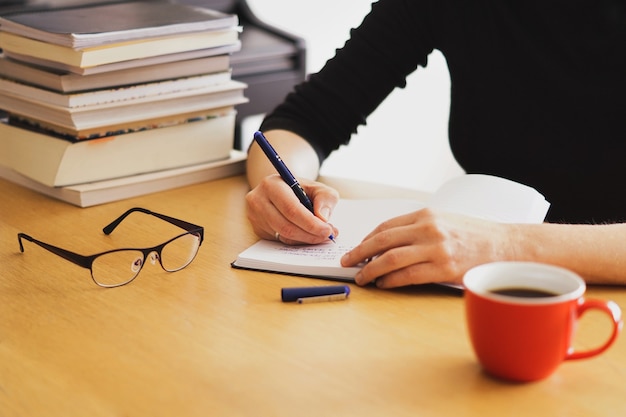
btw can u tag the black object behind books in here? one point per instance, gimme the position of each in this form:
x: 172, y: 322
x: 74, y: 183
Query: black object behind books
x: 271, y: 61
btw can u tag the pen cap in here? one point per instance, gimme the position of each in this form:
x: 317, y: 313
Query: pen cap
x: 292, y: 294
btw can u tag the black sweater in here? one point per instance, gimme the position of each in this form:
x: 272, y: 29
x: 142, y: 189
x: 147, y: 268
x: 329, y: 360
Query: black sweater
x: 538, y: 91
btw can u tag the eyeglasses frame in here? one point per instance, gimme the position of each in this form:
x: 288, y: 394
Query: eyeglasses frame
x: 86, y: 261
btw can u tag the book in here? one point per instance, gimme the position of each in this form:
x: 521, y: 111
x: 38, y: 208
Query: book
x: 57, y: 162
x: 114, y: 129
x: 92, y: 25
x: 477, y: 195
x: 67, y: 82
x: 111, y: 95
x: 100, y: 192
x: 78, y: 119
x: 124, y: 65
x: 117, y: 52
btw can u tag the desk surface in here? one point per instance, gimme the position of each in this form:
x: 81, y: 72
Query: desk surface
x: 212, y: 340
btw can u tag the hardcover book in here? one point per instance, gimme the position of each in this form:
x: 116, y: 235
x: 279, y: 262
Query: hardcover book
x: 116, y: 94
x: 125, y: 65
x: 77, y: 120
x: 100, y: 192
x: 117, y: 52
x: 57, y: 162
x: 88, y: 26
x: 68, y: 82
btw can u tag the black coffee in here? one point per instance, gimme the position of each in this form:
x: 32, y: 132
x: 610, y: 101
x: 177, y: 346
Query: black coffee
x: 523, y: 292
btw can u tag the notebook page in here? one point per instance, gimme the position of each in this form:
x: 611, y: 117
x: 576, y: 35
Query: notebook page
x: 491, y: 198
x: 354, y: 219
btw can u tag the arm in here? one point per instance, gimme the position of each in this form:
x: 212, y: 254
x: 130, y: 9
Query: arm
x: 329, y: 106
x: 596, y: 252
x: 428, y: 246
x: 271, y: 205
x: 326, y: 110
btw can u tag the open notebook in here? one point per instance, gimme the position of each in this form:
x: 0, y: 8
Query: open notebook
x: 477, y: 195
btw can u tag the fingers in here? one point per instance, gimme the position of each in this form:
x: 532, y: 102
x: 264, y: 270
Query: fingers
x: 324, y: 199
x: 391, y: 260
x: 393, y: 233
x: 423, y: 273
x: 411, y: 249
x: 273, y: 208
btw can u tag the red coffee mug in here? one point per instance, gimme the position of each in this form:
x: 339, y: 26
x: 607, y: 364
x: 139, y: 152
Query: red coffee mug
x: 522, y: 316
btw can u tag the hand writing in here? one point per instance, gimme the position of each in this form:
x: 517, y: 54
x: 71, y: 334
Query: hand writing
x: 272, y: 208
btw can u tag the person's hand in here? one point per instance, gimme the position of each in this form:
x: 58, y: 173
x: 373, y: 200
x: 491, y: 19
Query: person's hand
x: 276, y: 213
x: 426, y: 247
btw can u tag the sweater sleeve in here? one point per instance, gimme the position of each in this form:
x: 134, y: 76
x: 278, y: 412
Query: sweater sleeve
x: 393, y: 39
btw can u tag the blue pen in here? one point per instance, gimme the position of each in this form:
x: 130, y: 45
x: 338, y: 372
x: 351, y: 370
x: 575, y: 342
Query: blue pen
x: 325, y: 293
x: 284, y: 172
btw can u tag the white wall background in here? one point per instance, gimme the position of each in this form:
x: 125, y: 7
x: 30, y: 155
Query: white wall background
x: 405, y: 141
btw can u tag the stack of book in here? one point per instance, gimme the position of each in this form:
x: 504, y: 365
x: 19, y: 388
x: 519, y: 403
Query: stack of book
x: 111, y: 95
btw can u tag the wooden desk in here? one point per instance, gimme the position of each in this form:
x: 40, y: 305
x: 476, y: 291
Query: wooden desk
x: 214, y: 341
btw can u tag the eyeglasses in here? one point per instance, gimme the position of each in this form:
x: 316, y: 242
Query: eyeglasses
x: 118, y: 267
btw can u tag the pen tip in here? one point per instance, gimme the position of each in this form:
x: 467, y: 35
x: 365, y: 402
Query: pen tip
x: 332, y: 238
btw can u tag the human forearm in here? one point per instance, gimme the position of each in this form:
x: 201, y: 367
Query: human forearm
x: 427, y: 246
x: 596, y: 252
x: 295, y: 151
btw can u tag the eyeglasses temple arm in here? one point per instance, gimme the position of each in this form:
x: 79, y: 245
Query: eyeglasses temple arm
x: 108, y: 229
x: 80, y: 260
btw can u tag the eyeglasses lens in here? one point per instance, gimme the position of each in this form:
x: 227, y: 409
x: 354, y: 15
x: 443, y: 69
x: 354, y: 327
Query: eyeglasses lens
x: 117, y: 267
x: 179, y: 253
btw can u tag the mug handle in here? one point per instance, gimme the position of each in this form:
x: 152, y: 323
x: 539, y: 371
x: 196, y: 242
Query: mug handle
x: 614, y: 312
